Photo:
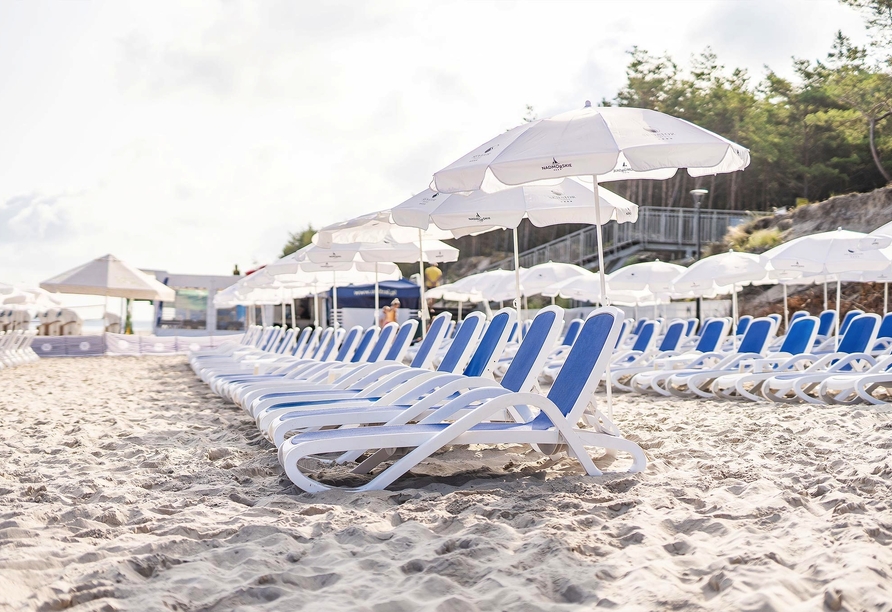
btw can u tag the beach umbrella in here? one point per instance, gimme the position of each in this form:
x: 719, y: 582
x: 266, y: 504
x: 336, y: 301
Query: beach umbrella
x: 541, y: 276
x: 299, y: 262
x: 654, y: 276
x: 379, y: 227
x: 587, y: 288
x: 611, y: 143
x: 450, y: 293
x: 551, y: 202
x: 828, y: 253
x: 493, y: 285
x: 721, y: 273
x: 6, y: 289
x: 386, y: 250
x: 111, y: 277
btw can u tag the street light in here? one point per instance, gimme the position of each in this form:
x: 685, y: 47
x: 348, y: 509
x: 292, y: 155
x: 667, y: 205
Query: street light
x: 698, y: 194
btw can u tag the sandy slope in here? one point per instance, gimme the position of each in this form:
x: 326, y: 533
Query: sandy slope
x: 125, y: 484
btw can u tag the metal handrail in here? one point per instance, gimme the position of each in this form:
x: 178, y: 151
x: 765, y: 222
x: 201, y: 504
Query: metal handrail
x: 657, y: 227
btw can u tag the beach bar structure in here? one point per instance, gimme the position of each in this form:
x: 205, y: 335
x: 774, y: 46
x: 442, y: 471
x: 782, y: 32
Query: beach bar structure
x: 192, y: 312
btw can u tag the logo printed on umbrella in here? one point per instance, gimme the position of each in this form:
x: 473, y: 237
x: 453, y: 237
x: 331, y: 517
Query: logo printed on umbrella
x: 659, y: 134
x: 484, y: 154
x: 556, y: 165
x: 478, y: 218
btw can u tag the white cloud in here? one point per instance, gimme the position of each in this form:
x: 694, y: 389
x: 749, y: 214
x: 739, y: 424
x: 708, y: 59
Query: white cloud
x: 197, y: 134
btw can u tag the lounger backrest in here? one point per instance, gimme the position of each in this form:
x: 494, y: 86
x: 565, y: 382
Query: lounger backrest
x: 491, y: 344
x: 285, y: 343
x: 801, y: 335
x: 638, y: 325
x: 266, y: 338
x: 713, y: 333
x: 860, y: 335
x: 572, y: 331
x: 623, y: 329
x: 798, y: 315
x: 382, y: 342
x: 827, y: 319
x: 646, y: 336
x: 432, y: 339
x: 847, y: 320
x: 757, y: 335
x: 455, y: 329
x: 743, y: 323
x: 585, y: 364
x: 313, y: 343
x: 274, y: 339
x: 302, y: 340
x: 672, y: 336
x: 776, y: 318
x: 885, y: 330
x: 364, y: 345
x: 324, y: 344
x: 533, y: 351
x: 513, y: 335
x: 692, y: 326
x: 462, y: 345
x: 402, y: 340
x: 337, y: 339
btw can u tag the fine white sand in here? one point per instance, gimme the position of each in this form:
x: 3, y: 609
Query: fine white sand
x: 126, y: 484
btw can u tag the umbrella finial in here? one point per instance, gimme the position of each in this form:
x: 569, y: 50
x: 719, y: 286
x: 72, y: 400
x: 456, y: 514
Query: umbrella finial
x: 588, y: 104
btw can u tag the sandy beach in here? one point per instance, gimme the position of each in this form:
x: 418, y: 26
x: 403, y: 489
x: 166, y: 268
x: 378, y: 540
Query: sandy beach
x: 126, y: 485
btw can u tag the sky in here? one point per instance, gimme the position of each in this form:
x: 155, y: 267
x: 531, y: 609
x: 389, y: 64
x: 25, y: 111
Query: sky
x: 193, y: 135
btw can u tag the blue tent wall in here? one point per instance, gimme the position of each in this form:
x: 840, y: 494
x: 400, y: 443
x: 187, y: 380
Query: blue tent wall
x: 363, y: 296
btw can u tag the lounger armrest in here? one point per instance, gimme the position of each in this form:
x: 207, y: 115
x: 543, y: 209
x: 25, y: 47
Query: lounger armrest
x: 852, y: 359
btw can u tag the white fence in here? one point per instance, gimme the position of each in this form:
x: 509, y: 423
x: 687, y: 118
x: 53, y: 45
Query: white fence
x: 121, y: 344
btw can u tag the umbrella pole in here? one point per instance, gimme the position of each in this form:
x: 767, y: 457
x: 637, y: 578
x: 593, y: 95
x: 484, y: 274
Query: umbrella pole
x: 603, y: 281
x: 517, y: 302
x: 423, y: 306
x: 293, y: 311
x: 459, y: 310
x: 825, y: 295
x: 284, y: 320
x: 315, y: 306
x: 786, y: 310
x: 334, y: 299
x: 734, y: 314
x: 552, y: 300
x: 105, y: 315
x: 375, y: 317
x: 837, y: 313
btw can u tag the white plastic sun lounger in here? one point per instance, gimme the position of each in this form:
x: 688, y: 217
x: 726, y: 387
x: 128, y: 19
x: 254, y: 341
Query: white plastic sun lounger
x: 553, y: 430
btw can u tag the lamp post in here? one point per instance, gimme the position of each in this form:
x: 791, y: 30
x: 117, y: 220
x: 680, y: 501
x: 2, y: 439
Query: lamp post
x: 698, y: 194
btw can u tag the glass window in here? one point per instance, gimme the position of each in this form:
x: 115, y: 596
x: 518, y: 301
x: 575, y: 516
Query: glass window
x: 187, y: 311
x: 231, y: 319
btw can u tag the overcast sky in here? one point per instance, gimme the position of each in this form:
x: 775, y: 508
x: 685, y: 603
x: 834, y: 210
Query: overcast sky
x: 189, y: 136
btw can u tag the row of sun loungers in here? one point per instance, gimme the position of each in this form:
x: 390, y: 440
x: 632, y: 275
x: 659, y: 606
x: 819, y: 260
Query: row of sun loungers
x: 15, y: 348
x: 807, y: 364
x: 363, y: 398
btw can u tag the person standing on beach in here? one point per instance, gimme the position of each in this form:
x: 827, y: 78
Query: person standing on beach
x: 394, y: 312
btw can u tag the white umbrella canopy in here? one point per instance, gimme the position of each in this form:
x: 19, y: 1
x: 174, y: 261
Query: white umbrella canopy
x: 611, y: 143
x: 720, y: 273
x: 879, y: 238
x: 494, y: 285
x: 827, y: 253
x: 6, y: 289
x: 373, y: 227
x: 588, y: 289
x: 654, y: 276
x: 546, y: 203
x: 538, y: 278
x: 451, y: 293
x: 109, y: 276
x: 385, y: 251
